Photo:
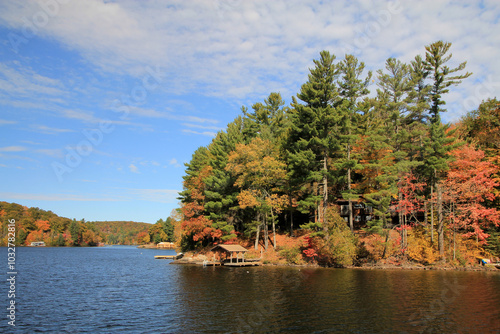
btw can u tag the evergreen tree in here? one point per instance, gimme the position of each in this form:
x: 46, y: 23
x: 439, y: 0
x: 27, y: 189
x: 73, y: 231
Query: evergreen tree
x: 221, y: 205
x: 310, y: 142
x: 352, y: 89
x: 436, y: 151
x: 267, y: 120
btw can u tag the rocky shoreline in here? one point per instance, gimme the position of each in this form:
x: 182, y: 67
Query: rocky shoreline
x: 199, y: 258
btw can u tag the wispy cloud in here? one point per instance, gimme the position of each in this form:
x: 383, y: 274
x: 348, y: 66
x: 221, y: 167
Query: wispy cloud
x: 85, y: 116
x: 199, y: 126
x: 49, y: 130
x: 5, y: 122
x: 133, y: 168
x: 174, y: 162
x: 54, y: 197
x: 148, y: 112
x: 156, y: 195
x: 203, y: 133
x: 55, y: 153
x: 21, y: 81
x: 13, y: 149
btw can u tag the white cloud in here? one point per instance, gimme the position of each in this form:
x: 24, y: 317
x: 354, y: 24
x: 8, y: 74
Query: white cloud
x: 206, y: 127
x: 174, y: 162
x: 55, y: 153
x: 52, y: 197
x: 12, y: 149
x: 21, y: 81
x: 5, y: 122
x: 50, y: 130
x: 85, y: 116
x: 148, y: 112
x: 155, y: 195
x: 133, y: 168
x: 204, y: 133
x: 246, y: 49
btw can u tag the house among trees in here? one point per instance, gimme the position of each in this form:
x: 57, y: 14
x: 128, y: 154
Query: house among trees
x: 362, y: 212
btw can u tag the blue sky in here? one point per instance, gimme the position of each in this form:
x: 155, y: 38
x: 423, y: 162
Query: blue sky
x: 102, y: 102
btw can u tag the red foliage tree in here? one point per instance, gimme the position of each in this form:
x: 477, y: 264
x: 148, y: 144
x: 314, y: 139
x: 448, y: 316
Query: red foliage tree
x: 409, y: 203
x: 195, y: 225
x: 469, y: 185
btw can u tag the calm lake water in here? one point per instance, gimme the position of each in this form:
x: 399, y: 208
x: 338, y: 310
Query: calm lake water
x: 125, y: 290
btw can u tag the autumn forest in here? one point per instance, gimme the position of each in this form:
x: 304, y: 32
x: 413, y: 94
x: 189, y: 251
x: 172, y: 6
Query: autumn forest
x: 345, y: 175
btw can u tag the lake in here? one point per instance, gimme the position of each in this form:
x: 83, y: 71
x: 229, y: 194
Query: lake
x: 125, y: 290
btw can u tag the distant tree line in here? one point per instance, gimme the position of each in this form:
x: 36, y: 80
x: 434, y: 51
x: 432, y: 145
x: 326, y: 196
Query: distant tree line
x: 34, y: 224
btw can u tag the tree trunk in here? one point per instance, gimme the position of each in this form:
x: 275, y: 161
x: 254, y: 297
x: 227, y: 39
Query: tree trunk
x: 401, y: 223
x: 440, y: 222
x: 266, y: 232
x: 274, y: 230
x: 385, y: 243
x: 452, y: 213
x: 291, y: 217
x: 257, y: 238
x: 432, y: 215
x: 325, y: 188
x: 351, y: 223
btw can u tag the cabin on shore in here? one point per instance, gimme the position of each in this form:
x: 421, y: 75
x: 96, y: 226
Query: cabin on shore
x: 234, y: 251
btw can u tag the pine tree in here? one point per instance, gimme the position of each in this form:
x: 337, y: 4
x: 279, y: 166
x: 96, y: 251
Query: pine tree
x: 436, y: 151
x: 310, y: 143
x: 352, y: 88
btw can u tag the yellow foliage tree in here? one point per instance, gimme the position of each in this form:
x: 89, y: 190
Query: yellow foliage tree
x: 260, y: 173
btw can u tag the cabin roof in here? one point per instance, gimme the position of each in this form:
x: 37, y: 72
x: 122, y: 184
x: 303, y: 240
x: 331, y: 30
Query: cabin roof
x: 231, y: 248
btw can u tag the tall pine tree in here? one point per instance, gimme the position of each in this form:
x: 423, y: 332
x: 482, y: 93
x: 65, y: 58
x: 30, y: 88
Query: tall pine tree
x: 436, y: 156
x: 310, y: 142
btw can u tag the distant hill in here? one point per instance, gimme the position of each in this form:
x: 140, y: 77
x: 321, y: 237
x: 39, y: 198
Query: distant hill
x: 34, y: 224
x: 121, y: 232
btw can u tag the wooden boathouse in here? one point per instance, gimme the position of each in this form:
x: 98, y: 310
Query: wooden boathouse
x: 236, y: 253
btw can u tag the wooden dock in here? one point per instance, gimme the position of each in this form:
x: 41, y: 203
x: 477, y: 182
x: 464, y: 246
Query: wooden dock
x: 168, y: 257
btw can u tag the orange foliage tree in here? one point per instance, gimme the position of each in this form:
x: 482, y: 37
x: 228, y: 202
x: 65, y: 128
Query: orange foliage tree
x: 43, y: 225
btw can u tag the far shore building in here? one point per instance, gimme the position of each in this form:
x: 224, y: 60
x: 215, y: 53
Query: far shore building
x: 165, y: 245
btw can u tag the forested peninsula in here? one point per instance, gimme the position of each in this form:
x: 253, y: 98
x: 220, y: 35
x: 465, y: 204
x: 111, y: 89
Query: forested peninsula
x: 343, y: 176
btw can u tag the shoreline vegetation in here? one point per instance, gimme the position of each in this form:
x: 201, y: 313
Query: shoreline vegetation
x: 273, y: 258
x: 342, y: 177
